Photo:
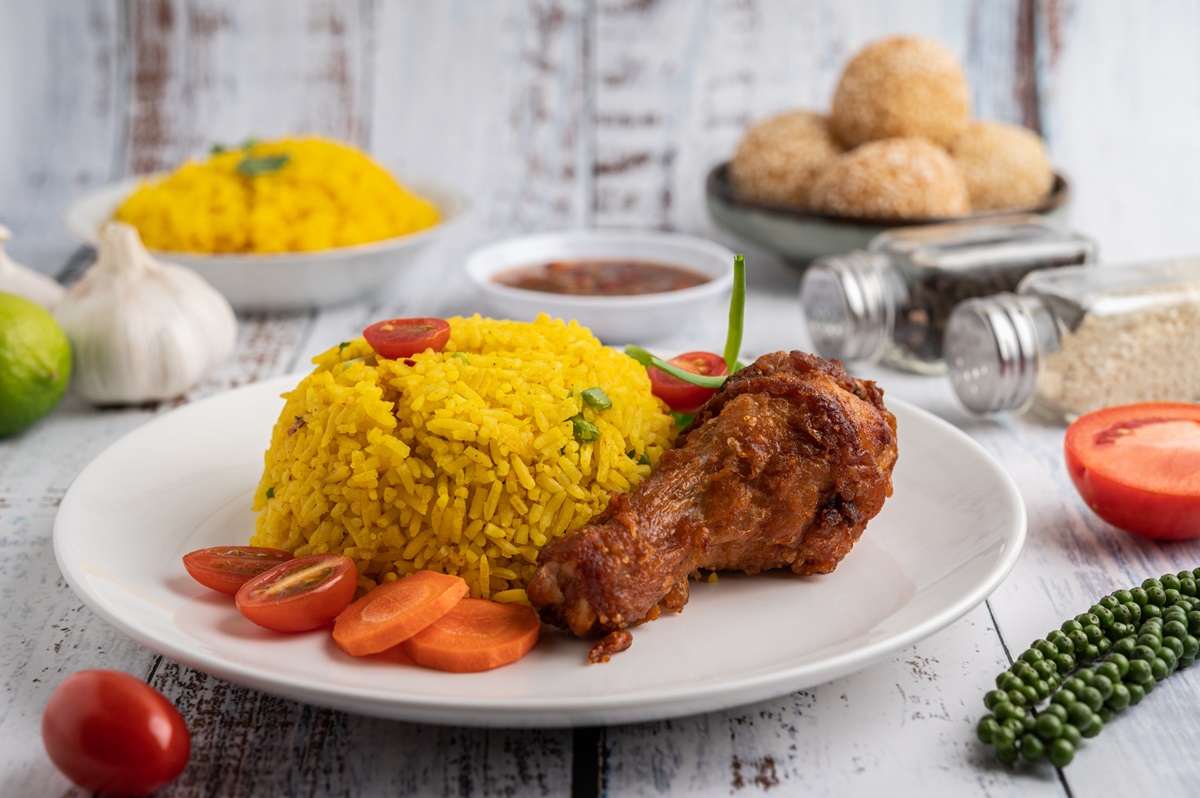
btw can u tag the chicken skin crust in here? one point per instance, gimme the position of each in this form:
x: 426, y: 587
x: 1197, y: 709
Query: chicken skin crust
x: 782, y: 468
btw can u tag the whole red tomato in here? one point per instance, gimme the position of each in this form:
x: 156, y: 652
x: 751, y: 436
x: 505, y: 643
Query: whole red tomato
x: 1138, y: 467
x: 113, y: 734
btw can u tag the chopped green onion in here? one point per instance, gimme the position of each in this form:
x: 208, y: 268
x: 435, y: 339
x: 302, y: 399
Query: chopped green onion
x: 268, y: 164
x: 596, y: 399
x: 216, y: 149
x: 462, y: 356
x: 342, y: 346
x: 682, y: 419
x: 733, y: 337
x: 647, y: 359
x: 640, y: 355
x: 585, y: 431
x: 271, y: 493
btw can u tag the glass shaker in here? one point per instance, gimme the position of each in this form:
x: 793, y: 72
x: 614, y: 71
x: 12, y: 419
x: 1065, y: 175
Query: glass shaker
x: 1073, y: 340
x: 891, y: 301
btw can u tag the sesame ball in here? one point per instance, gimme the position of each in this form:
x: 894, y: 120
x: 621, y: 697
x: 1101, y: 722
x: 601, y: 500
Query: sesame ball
x: 1005, y: 166
x: 777, y: 159
x: 907, y: 178
x: 899, y: 87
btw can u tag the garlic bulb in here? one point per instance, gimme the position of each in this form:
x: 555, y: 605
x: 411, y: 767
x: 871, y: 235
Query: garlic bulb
x: 24, y: 281
x: 140, y: 329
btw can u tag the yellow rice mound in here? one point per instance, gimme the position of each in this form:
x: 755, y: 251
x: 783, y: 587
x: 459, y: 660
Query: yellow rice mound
x: 463, y: 461
x: 324, y: 195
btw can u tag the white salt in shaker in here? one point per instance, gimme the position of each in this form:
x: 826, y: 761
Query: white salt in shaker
x: 891, y: 301
x: 1073, y: 340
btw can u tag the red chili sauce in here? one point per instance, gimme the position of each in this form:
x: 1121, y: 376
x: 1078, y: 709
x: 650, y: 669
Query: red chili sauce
x: 601, y: 277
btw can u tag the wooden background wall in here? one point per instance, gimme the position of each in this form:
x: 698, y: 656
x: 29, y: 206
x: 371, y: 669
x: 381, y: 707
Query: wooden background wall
x: 553, y: 113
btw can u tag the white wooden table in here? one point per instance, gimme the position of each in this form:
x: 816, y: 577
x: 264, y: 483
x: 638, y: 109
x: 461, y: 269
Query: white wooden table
x: 554, y: 114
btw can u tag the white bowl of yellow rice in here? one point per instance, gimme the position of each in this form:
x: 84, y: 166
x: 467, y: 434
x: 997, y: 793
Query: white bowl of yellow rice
x: 309, y: 236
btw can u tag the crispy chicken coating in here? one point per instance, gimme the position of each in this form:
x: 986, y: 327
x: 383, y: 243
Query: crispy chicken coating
x: 781, y: 469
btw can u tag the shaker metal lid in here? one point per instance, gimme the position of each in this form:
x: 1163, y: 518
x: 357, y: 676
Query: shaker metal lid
x: 991, y: 350
x: 846, y: 305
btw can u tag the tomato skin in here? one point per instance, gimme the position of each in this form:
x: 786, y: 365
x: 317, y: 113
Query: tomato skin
x: 113, y: 734
x: 680, y: 396
x: 398, y: 338
x: 301, y: 594
x: 1138, y: 467
x: 227, y: 568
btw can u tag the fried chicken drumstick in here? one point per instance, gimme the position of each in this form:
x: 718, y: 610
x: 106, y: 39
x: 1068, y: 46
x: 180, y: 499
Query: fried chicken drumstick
x: 782, y: 468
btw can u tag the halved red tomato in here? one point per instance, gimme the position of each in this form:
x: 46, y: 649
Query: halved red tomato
x: 1138, y: 467
x: 301, y: 594
x: 680, y: 396
x: 113, y: 734
x: 227, y: 568
x: 397, y: 338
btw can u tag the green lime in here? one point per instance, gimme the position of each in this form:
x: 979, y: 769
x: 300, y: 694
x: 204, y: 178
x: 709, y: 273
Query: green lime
x: 35, y: 363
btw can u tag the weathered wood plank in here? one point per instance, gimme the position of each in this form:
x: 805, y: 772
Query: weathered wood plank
x: 488, y: 98
x: 1119, y: 116
x: 60, y: 98
x: 221, y: 72
x: 250, y: 743
x: 902, y: 727
x: 1071, y: 558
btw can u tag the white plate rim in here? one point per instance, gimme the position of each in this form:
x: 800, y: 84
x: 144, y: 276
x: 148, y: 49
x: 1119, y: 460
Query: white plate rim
x: 634, y: 706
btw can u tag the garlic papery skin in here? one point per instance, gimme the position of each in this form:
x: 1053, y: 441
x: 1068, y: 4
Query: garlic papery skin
x: 24, y: 281
x: 142, y: 330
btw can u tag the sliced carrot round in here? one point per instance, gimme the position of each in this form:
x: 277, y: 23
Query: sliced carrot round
x: 476, y: 635
x: 395, y: 611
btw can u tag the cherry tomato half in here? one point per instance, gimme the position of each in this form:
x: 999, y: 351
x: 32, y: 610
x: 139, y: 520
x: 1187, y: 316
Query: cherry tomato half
x: 680, y: 396
x: 227, y: 568
x: 301, y: 594
x: 397, y: 338
x: 1138, y: 467
x: 113, y: 734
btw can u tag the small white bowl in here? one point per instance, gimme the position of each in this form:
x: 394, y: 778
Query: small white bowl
x: 613, y: 319
x: 285, y: 280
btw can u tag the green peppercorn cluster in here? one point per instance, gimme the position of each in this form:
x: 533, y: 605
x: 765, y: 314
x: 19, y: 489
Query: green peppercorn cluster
x: 1095, y: 665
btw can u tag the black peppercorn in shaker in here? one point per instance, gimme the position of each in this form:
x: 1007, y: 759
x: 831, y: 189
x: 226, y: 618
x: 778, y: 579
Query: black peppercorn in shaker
x: 891, y: 302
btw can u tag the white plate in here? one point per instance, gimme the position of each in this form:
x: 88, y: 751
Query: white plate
x: 285, y: 280
x: 183, y: 481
